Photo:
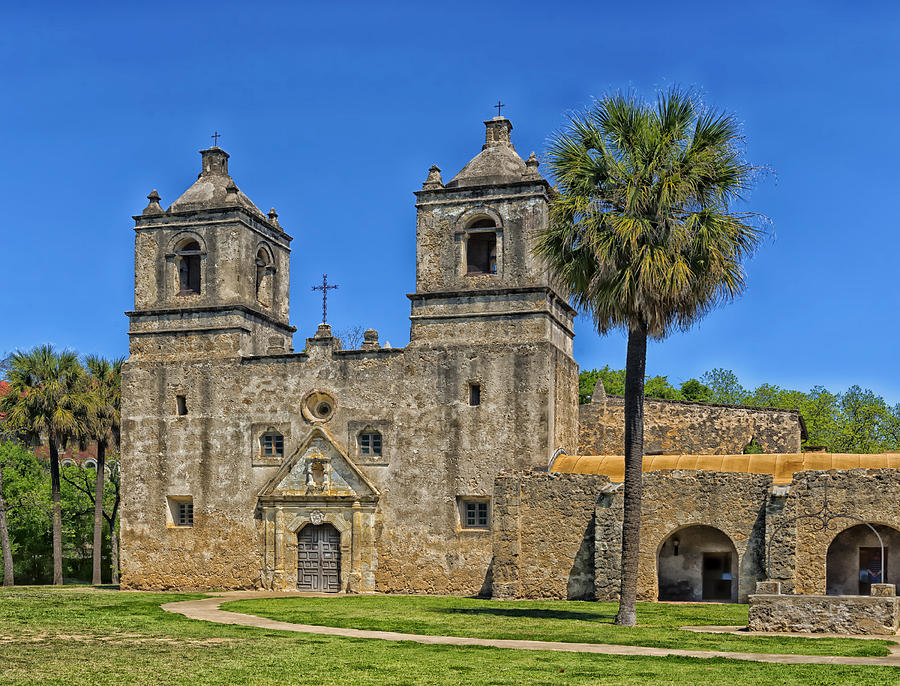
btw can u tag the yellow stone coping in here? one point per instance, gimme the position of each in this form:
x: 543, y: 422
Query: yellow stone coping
x: 780, y: 465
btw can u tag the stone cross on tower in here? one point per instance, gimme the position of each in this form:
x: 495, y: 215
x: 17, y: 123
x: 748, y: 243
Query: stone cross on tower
x: 498, y: 106
x: 325, y: 287
x: 216, y: 136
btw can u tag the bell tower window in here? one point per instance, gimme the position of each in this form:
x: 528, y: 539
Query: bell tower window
x: 265, y: 272
x: 188, y: 257
x: 481, y: 248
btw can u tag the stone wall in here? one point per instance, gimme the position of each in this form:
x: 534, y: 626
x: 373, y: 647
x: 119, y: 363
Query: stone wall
x: 440, y: 449
x: 860, y: 615
x: 226, y: 352
x: 679, y: 427
x: 799, y: 550
x: 543, y: 523
x: 543, y: 538
x: 674, y: 500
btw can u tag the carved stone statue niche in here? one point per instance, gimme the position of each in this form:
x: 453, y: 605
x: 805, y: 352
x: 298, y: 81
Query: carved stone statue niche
x: 317, y: 474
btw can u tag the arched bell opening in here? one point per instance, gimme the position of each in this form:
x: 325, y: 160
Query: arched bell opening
x: 265, y: 276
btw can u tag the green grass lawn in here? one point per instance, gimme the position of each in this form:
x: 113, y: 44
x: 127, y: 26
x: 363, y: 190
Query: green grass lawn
x: 85, y: 636
x: 585, y: 622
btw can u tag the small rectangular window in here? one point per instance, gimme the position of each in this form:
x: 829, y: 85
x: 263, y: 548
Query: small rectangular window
x: 474, y: 394
x: 370, y: 444
x: 273, y: 445
x: 475, y: 514
x: 185, y: 514
x: 181, y: 405
x: 180, y: 511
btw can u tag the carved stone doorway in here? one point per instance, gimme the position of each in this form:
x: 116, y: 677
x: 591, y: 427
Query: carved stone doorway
x: 319, y: 558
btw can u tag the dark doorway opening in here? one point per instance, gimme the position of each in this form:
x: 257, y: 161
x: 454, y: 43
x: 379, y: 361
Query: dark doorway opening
x: 481, y: 253
x: 870, y: 568
x: 717, y: 577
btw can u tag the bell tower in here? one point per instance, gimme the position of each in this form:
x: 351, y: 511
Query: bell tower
x: 476, y: 275
x: 211, y: 273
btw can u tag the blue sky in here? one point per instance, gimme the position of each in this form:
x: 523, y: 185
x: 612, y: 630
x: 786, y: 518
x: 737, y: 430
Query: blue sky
x: 333, y: 112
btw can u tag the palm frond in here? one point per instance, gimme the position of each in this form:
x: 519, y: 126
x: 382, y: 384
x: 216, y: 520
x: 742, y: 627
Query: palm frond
x: 642, y: 231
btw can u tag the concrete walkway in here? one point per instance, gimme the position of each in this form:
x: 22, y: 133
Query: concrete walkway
x: 208, y: 610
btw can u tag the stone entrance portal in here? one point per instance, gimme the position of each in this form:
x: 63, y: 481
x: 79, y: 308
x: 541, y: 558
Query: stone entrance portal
x: 319, y: 558
x: 318, y: 521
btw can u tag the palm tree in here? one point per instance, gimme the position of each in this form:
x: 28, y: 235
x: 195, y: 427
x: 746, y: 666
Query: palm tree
x: 105, y: 378
x: 48, y: 398
x: 643, y: 234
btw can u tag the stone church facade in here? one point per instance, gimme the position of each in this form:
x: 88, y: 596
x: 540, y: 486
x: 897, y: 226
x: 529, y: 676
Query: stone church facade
x: 424, y: 469
x: 234, y: 444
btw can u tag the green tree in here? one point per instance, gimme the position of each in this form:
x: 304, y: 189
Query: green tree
x: 643, y: 234
x: 48, y: 398
x: 659, y: 387
x: 614, y: 384
x: 80, y: 498
x: 22, y: 483
x: 105, y: 427
x: 695, y: 391
x: 863, y: 416
x: 724, y: 387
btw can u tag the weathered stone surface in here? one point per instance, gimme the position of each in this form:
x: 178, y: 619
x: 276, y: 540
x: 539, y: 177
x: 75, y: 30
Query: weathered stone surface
x: 679, y: 427
x: 800, y: 548
x: 709, y: 512
x: 484, y: 395
x: 543, y: 535
x: 768, y: 587
x: 674, y: 500
x: 825, y: 614
x: 507, y: 332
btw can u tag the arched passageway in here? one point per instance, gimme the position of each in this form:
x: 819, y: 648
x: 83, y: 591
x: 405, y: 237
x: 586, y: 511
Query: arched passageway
x: 853, y: 561
x: 698, y: 563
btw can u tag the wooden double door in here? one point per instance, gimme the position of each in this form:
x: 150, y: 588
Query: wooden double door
x: 319, y: 558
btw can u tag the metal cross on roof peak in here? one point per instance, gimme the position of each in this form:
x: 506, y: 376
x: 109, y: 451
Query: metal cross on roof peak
x: 498, y: 106
x: 216, y: 136
x: 325, y: 287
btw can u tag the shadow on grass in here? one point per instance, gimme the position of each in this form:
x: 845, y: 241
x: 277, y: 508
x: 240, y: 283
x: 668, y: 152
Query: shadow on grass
x: 533, y: 613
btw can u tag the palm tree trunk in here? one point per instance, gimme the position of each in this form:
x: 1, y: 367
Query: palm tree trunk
x: 634, y: 459
x: 8, y: 579
x: 57, y: 513
x: 98, y: 512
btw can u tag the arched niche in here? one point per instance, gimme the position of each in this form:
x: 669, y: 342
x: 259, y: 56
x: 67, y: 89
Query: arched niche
x: 853, y: 560
x: 186, y: 257
x: 264, y: 275
x: 697, y: 563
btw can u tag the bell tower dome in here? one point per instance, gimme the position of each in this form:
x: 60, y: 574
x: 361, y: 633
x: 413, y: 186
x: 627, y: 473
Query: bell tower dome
x: 211, y: 272
x: 476, y: 274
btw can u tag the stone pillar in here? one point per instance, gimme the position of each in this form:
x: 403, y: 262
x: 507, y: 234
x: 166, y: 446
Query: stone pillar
x: 506, y: 537
x: 278, y: 578
x: 354, y: 584
x: 883, y: 590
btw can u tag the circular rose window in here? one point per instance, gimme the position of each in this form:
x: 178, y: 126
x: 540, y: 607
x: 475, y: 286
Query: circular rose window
x: 318, y: 406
